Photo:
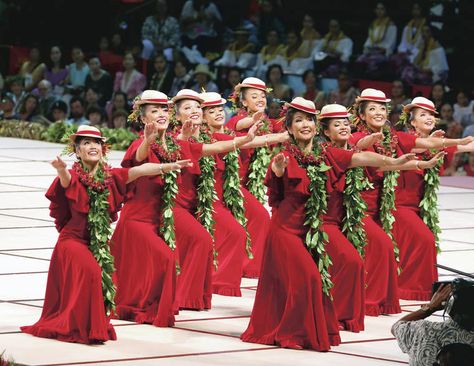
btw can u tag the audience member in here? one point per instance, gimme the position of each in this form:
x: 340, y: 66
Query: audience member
x: 438, y: 94
x: 91, y: 97
x: 32, y: 69
x: 99, y: 79
x: 117, y: 46
x: 455, y: 354
x: 161, y: 76
x: 199, y: 20
x: 447, y: 122
x: 271, y: 52
x: 333, y: 52
x: 268, y: 20
x: 311, y: 92
x: 119, y: 118
x: 309, y: 35
x: 16, y: 90
x: 30, y: 110
x: 96, y: 116
x: 346, y: 93
x: 78, y: 71
x: 45, y: 98
x: 56, y: 71
x: 203, y: 80
x: 274, y: 80
x: 160, y: 33
x: 232, y: 78
x: 130, y: 81
x: 463, y: 106
x: 7, y: 108
x: 181, y: 77
x: 58, y: 111
x: 400, y: 97
x: 468, y: 167
x: 119, y: 101
x: 240, y: 53
x: 77, y: 111
x: 411, y: 39
x: 422, y: 339
x: 296, y: 55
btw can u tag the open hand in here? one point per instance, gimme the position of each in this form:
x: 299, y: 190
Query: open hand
x: 439, y: 297
x: 375, y: 137
x: 281, y: 161
x: 257, y: 117
x: 434, y: 160
x: 437, y: 134
x: 151, y: 132
x: 253, y: 131
x: 58, y: 164
x: 404, y: 158
x: 466, y: 140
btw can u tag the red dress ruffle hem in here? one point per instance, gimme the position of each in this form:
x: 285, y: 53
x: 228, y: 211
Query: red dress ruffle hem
x: 381, y: 296
x: 73, y: 309
x: 347, y: 270
x: 145, y: 265
x: 414, y: 238
x: 290, y: 309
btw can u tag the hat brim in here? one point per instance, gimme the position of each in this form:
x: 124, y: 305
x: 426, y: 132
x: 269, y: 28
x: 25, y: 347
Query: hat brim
x: 215, y: 103
x: 211, y: 75
x: 334, y: 115
x: 240, y: 86
x: 302, y: 108
x: 370, y: 99
x: 182, y: 97
x: 74, y: 136
x: 152, y: 101
x: 409, y: 107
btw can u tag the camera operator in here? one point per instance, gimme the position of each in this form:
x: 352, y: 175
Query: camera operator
x: 422, y: 339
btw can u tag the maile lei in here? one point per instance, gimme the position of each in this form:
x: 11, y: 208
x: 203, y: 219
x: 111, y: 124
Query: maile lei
x: 355, y: 207
x: 233, y: 197
x: 315, y: 207
x: 388, y: 147
x: 170, y: 189
x: 429, y: 203
x: 259, y: 164
x: 98, y: 225
x: 206, y: 193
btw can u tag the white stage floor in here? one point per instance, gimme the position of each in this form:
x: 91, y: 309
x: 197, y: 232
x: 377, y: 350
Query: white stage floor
x: 27, y: 237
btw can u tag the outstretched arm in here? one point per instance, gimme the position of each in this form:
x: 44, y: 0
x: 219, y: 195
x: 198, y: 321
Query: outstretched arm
x: 265, y: 140
x: 465, y: 148
x: 416, y: 164
x: 248, y: 122
x: 368, y: 158
x: 441, y: 143
x: 156, y: 169
x: 226, y: 146
x: 63, y: 173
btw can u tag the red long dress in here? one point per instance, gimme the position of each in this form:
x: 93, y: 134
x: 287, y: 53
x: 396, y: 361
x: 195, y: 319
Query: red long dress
x: 145, y: 265
x: 258, y: 217
x: 73, y: 309
x: 381, y: 296
x: 347, y: 271
x: 415, y: 240
x: 290, y: 308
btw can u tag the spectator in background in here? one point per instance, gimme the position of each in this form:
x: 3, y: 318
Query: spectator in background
x: 240, y: 53
x: 309, y: 35
x: 463, y: 106
x: 99, y: 79
x: 412, y: 40
x: 78, y: 71
x: 29, y: 109
x: 45, y: 98
x: 438, y: 95
x: 119, y: 101
x: 199, y: 20
x: 96, y: 116
x: 270, y: 53
x: 447, y: 122
x: 468, y: 119
x: 399, y: 96
x: 203, y: 80
x: 91, y: 97
x: 58, y: 111
x: 380, y: 43
x: 233, y: 77
x: 119, y: 118
x: 333, y: 52
x: 422, y: 339
x: 56, y: 71
x: 455, y: 354
x: 32, y: 69
x: 274, y: 80
x: 130, y: 80
x: 160, y: 33
x: 468, y: 167
x: 116, y: 44
x: 296, y: 55
x: 16, y: 90
x: 7, y: 108
x: 77, y: 111
x: 311, y: 91
x: 346, y: 93
x: 268, y: 20
x: 430, y: 64
x: 274, y: 109
x: 181, y: 77
x: 161, y: 76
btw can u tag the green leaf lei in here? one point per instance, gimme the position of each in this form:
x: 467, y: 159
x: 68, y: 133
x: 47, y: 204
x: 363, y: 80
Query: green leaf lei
x: 206, y: 194
x: 355, y: 208
x: 390, y: 181
x: 170, y: 190
x: 315, y: 208
x: 233, y: 197
x: 429, y: 203
x: 98, y: 224
x: 258, y: 166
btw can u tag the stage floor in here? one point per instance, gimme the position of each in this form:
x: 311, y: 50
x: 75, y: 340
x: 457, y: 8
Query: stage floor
x: 27, y: 237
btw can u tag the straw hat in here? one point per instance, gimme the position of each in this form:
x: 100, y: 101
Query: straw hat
x: 87, y: 131
x: 203, y: 69
x: 251, y: 82
x: 212, y: 99
x: 372, y: 95
x: 333, y: 111
x: 187, y: 94
x: 303, y: 105
x: 152, y: 97
x: 420, y: 102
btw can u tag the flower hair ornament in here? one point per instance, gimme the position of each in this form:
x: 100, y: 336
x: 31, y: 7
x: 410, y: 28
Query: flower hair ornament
x: 69, y: 138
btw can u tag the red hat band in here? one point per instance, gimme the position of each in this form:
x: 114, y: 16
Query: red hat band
x: 260, y: 86
x: 303, y: 108
x: 333, y: 114
x: 212, y: 103
x: 89, y: 132
x: 426, y: 106
x: 382, y: 99
x: 157, y: 101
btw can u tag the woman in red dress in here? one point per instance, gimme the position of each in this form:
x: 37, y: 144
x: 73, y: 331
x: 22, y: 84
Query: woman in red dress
x: 250, y: 96
x: 416, y: 216
x: 246, y: 209
x: 293, y: 306
x: 84, y: 201
x: 146, y: 265
x: 370, y: 114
